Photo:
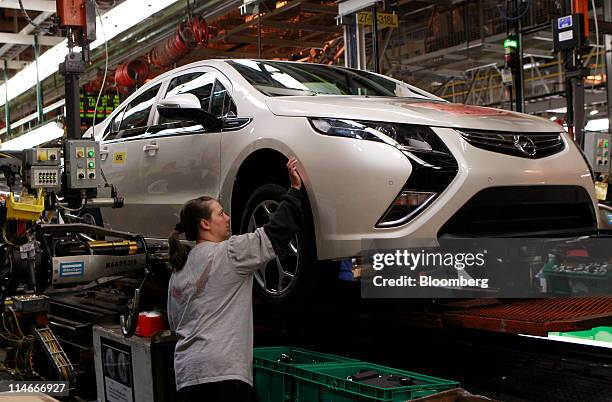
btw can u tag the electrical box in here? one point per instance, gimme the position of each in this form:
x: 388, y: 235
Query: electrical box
x: 42, y: 168
x: 568, y: 33
x: 135, y: 369
x: 78, y: 14
x: 82, y: 161
x: 597, y: 148
x: 71, y: 13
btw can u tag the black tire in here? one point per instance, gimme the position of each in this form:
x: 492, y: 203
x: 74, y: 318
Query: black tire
x: 280, y: 288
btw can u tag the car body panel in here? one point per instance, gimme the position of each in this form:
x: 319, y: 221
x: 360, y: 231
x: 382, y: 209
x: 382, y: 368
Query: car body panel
x: 350, y: 183
x: 407, y: 110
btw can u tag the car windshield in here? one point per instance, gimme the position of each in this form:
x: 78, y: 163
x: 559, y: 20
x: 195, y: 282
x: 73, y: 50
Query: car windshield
x: 275, y: 78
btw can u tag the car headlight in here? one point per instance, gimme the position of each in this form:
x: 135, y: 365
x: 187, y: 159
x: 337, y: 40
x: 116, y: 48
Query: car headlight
x: 433, y: 165
x: 413, y: 138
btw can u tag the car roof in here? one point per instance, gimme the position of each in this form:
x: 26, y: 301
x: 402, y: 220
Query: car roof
x: 212, y: 63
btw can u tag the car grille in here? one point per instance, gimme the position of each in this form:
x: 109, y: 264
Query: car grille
x: 524, y: 211
x: 524, y: 145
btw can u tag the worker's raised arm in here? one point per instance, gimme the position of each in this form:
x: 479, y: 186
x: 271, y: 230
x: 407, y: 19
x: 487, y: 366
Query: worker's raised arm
x: 286, y: 221
x: 249, y: 251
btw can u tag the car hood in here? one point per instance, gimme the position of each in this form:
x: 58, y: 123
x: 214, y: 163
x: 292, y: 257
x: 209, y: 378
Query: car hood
x: 414, y: 111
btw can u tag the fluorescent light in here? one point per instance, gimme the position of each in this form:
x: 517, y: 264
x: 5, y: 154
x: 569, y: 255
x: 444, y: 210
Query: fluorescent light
x: 597, y: 125
x: 558, y: 110
x: 593, y: 112
x: 115, y: 21
x: 553, y: 118
x: 40, y: 135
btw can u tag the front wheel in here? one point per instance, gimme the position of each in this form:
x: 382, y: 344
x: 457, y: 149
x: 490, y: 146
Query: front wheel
x: 284, y: 277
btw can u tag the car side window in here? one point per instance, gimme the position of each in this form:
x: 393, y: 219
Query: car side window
x: 210, y: 92
x: 229, y: 107
x: 198, y: 84
x: 218, y: 98
x: 136, y: 115
x: 113, y: 128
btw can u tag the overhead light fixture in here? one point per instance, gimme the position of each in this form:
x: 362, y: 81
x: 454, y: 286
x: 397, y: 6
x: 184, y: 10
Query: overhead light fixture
x: 597, y: 125
x: 593, y: 112
x: 553, y: 118
x: 116, y: 21
x: 45, y: 133
x: 558, y: 110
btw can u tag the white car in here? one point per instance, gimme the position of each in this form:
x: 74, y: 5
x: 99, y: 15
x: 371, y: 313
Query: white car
x: 379, y: 159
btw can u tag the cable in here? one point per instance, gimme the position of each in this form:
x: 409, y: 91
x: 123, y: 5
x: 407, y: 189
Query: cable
x: 70, y: 209
x: 6, y: 240
x: 93, y: 128
x: 596, y: 41
x: 27, y: 17
x: 16, y: 321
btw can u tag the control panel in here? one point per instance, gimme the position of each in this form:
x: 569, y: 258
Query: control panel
x: 82, y: 164
x: 42, y: 167
x: 597, y: 151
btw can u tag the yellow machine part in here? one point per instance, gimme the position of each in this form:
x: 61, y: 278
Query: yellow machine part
x: 28, y: 208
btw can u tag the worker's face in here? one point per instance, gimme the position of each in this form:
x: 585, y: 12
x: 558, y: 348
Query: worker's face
x: 218, y: 226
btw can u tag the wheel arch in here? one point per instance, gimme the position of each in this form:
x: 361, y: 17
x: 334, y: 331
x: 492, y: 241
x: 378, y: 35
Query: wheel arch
x: 265, y: 165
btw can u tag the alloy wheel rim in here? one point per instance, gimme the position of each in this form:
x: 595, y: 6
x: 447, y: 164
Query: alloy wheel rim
x: 277, y: 276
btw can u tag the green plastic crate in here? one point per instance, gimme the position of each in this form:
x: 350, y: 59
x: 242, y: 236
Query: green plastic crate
x: 329, y: 383
x: 274, y: 380
x: 601, y: 334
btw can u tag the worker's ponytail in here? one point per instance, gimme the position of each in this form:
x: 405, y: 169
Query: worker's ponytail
x: 191, y: 214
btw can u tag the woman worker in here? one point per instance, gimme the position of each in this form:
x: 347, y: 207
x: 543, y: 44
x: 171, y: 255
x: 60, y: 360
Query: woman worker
x: 210, y: 293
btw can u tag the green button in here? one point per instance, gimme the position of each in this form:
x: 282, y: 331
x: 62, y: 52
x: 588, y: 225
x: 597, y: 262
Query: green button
x: 606, y: 144
x: 91, y: 153
x: 92, y: 165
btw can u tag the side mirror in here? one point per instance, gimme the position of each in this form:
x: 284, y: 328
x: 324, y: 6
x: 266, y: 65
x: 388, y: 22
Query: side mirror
x: 187, y: 107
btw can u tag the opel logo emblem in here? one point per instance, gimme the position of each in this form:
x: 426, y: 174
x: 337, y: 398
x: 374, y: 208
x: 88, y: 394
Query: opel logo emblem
x: 525, y: 145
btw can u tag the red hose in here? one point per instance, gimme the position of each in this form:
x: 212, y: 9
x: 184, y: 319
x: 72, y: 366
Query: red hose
x: 131, y: 73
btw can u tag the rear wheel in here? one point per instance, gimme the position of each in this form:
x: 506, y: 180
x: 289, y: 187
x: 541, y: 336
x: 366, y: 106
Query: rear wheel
x: 283, y: 278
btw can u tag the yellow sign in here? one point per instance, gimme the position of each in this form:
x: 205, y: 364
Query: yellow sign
x: 119, y: 157
x: 385, y: 20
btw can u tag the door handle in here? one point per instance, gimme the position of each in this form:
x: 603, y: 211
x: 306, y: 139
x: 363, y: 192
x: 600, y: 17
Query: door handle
x: 151, y: 148
x: 103, y: 154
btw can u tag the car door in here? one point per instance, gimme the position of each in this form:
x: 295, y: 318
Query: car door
x: 182, y: 158
x: 121, y: 160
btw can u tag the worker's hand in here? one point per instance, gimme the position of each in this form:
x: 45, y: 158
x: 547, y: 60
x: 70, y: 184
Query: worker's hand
x: 294, y: 176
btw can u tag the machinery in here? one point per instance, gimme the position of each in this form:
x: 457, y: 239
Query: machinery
x: 39, y: 252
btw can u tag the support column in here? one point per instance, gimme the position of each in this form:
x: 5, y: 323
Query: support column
x: 375, y: 55
x: 7, y: 104
x: 39, y: 95
x: 607, y: 9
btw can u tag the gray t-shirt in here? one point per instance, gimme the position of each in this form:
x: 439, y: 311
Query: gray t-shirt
x: 210, y: 308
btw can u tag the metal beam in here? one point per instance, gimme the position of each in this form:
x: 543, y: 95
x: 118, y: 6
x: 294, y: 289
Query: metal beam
x: 42, y: 17
x: 302, y: 27
x: 556, y: 103
x: 321, y: 9
x: 34, y: 5
x: 253, y: 22
x: 21, y: 39
x: 297, y: 43
x: 34, y: 116
x: 440, y: 53
x: 527, y: 51
x: 17, y: 65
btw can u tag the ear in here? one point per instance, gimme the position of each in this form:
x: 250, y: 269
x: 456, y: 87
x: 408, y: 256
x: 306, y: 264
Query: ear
x: 204, y: 224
